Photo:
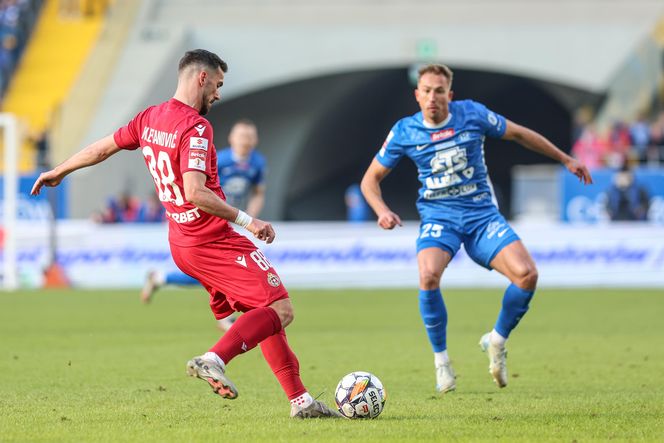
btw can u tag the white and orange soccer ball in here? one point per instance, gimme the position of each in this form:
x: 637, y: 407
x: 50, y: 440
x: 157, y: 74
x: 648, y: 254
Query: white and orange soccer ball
x: 360, y: 395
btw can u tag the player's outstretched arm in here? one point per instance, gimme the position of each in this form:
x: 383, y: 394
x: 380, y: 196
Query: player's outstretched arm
x: 370, y: 186
x: 90, y: 155
x: 204, y: 199
x: 537, y: 142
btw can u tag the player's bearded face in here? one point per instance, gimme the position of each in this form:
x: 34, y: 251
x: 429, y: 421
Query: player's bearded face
x: 433, y: 94
x: 210, y: 90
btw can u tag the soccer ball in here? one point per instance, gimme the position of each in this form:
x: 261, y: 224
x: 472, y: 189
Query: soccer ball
x: 360, y: 395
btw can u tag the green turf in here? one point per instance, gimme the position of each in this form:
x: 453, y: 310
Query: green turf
x: 98, y: 366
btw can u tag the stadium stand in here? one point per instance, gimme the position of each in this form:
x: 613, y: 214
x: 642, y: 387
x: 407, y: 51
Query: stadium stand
x: 53, y: 57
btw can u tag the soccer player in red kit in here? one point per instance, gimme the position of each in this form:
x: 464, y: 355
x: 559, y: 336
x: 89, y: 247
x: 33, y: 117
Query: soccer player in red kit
x: 176, y: 142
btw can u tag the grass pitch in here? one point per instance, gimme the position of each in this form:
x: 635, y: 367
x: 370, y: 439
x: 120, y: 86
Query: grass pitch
x: 98, y: 366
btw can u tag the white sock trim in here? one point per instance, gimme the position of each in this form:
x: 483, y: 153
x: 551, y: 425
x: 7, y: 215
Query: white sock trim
x: 440, y: 358
x: 303, y: 400
x: 215, y: 358
x: 496, y: 339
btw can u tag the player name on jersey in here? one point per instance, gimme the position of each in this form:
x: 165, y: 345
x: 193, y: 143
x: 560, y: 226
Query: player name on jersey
x: 161, y: 138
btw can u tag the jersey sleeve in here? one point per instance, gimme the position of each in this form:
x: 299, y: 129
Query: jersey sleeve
x: 128, y: 137
x: 391, y: 151
x: 494, y: 125
x: 195, y: 146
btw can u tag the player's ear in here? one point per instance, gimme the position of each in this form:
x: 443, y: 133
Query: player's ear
x: 201, y: 77
x: 451, y: 95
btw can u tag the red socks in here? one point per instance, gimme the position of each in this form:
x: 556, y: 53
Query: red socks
x: 284, y: 364
x: 262, y: 325
x: 248, y: 330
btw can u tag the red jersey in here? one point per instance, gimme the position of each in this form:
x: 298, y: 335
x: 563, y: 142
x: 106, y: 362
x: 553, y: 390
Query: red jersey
x: 174, y: 138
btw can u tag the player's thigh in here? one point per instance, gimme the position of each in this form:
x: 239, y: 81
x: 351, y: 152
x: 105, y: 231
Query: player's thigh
x: 515, y: 263
x: 233, y: 269
x: 486, y: 235
x: 431, y: 262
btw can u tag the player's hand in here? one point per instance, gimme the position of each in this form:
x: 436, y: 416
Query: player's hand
x: 388, y: 220
x: 48, y: 178
x: 579, y: 169
x: 262, y: 230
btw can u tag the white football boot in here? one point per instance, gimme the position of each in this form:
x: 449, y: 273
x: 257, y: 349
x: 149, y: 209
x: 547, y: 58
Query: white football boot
x: 317, y: 409
x: 497, y: 360
x: 445, y: 378
x: 213, y: 373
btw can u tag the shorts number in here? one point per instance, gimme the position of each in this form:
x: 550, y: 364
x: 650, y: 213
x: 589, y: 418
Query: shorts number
x: 431, y: 230
x: 163, y: 176
x: 260, y: 259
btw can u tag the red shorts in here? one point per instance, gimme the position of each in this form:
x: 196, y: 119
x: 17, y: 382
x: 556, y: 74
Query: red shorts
x: 234, y: 271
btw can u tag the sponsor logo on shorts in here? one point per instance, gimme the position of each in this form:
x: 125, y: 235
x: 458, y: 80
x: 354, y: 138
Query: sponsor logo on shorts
x: 493, y: 228
x: 501, y: 233
x: 241, y: 261
x: 273, y: 280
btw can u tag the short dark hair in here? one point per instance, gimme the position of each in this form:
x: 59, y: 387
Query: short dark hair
x: 244, y: 122
x: 203, y: 58
x: 437, y: 69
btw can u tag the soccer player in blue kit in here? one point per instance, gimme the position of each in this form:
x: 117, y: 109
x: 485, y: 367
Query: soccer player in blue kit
x: 242, y: 177
x: 445, y: 140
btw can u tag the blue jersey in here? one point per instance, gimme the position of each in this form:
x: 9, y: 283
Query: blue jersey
x: 449, y: 157
x: 238, y: 177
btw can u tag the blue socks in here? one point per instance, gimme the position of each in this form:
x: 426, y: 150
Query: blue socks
x: 180, y: 278
x: 434, y: 316
x: 515, y: 305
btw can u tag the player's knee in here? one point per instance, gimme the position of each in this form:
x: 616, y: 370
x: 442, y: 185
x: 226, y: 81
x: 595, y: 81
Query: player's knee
x: 286, y: 315
x: 527, y: 276
x: 429, y: 279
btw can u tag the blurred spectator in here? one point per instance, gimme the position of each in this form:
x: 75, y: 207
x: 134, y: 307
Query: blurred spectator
x: 639, y: 134
x: 42, y: 149
x: 151, y: 211
x: 17, y: 19
x: 619, y: 145
x: 656, y: 150
x: 626, y: 199
x: 582, y: 118
x: 357, y: 209
x: 590, y: 148
x: 125, y: 208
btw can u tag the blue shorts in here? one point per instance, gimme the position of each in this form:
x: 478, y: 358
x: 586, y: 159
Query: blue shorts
x: 484, y: 234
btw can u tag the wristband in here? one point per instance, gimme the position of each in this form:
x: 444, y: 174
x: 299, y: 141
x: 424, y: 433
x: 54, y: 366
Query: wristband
x: 243, y: 219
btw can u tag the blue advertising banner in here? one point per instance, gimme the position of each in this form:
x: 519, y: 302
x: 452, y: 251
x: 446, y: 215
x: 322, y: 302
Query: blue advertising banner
x: 37, y: 208
x: 643, y: 199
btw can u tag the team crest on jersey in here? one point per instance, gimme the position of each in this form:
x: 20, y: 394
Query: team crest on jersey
x: 273, y: 280
x: 198, y: 143
x: 441, y: 135
x: 200, y: 129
